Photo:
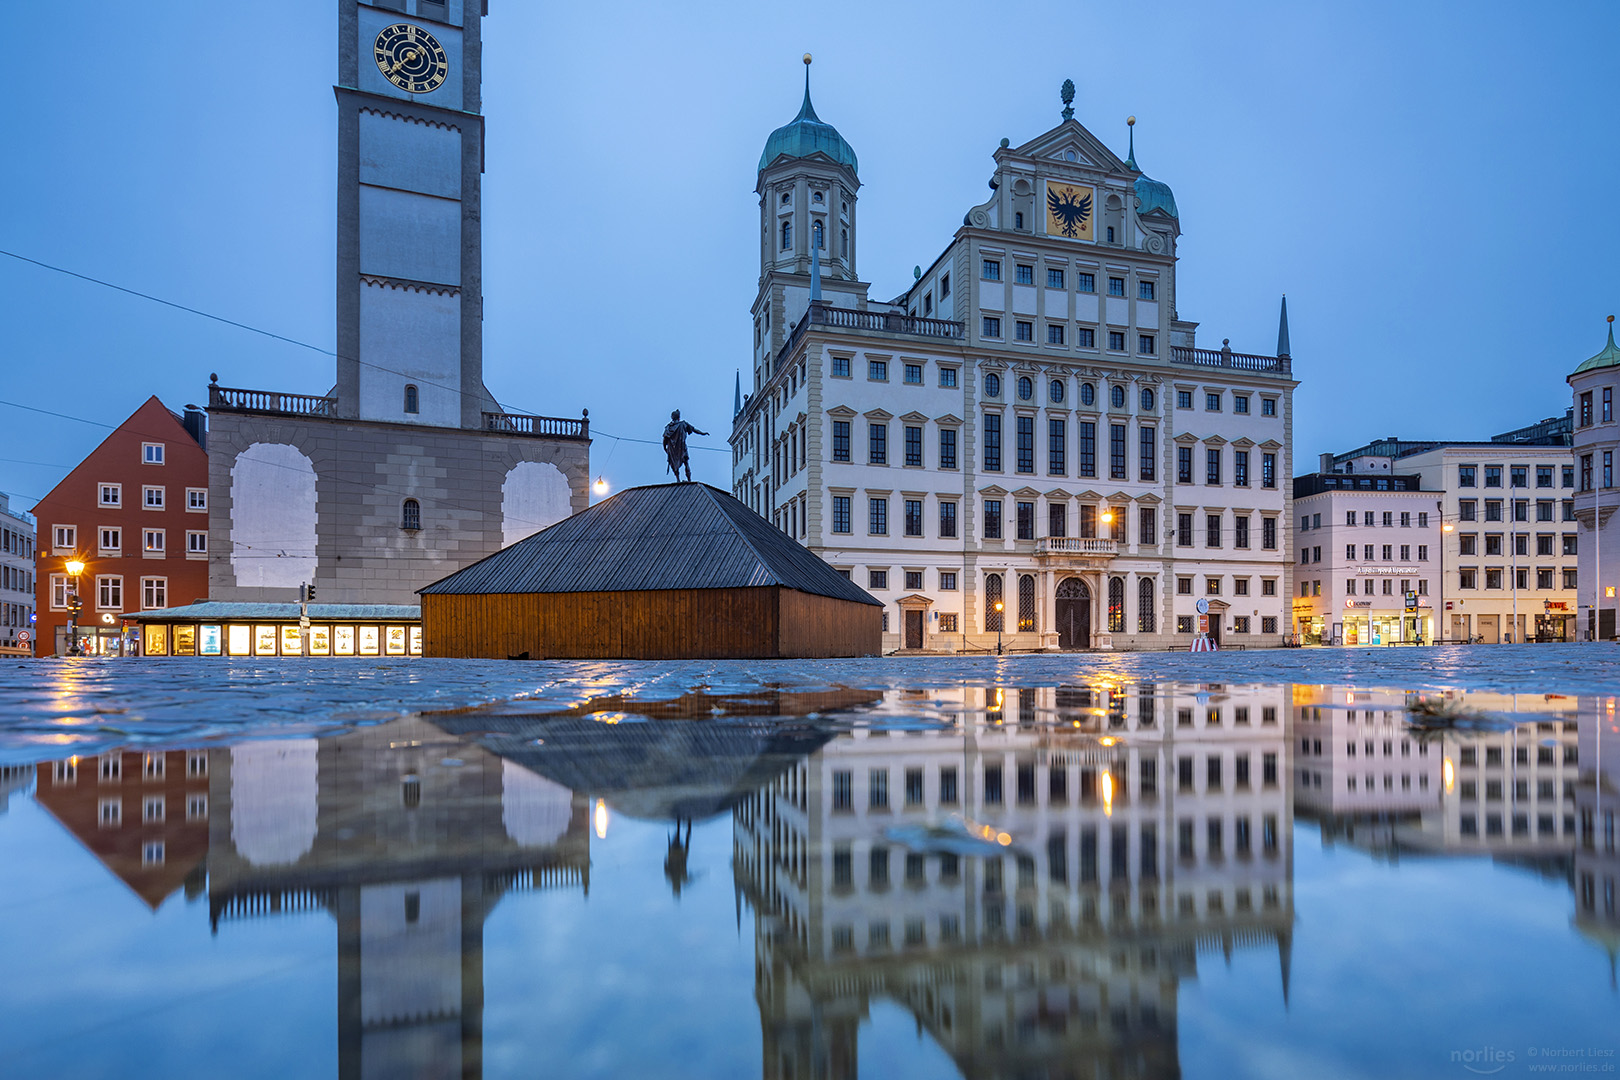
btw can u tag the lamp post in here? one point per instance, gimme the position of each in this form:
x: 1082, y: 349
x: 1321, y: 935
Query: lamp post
x: 999, y: 607
x: 1446, y: 529
x: 74, y: 567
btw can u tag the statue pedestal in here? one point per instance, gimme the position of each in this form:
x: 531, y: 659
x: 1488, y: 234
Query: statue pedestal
x: 1049, y: 641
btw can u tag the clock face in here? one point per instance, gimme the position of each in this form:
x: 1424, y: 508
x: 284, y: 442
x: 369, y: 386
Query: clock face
x: 411, y: 59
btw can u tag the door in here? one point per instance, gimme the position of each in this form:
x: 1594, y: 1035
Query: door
x: 1073, y: 614
x: 914, y: 629
x: 1490, y: 629
x: 1215, y: 620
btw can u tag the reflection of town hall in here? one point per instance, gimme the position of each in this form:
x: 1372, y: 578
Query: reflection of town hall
x: 1031, y: 422
x: 1131, y: 833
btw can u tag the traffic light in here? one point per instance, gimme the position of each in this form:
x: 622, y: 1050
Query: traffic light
x: 306, y: 594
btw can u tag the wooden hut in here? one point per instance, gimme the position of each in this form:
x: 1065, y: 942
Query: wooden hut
x: 667, y: 572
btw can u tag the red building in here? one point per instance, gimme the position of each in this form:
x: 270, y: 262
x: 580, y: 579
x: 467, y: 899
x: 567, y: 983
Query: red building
x: 135, y: 513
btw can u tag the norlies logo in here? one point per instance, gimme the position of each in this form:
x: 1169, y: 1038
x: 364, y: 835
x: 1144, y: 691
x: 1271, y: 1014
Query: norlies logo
x: 1485, y: 1061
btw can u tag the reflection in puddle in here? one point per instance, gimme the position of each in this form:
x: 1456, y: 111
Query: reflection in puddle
x: 1034, y: 874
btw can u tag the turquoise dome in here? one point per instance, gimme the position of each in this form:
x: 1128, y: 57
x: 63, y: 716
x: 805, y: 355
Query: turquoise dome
x: 1154, y: 195
x: 1609, y: 357
x: 807, y: 135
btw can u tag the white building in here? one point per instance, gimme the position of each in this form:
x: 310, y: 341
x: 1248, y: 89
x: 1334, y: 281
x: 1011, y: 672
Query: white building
x: 1596, y: 440
x: 1367, y: 559
x: 1508, y: 546
x: 1030, y: 423
x: 16, y: 576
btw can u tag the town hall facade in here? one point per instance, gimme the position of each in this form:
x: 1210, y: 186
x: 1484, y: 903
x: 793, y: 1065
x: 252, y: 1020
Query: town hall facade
x: 1031, y: 424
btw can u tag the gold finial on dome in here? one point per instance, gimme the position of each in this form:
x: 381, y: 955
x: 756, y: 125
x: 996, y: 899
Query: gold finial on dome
x: 1130, y: 121
x: 1611, y: 318
x: 806, y: 58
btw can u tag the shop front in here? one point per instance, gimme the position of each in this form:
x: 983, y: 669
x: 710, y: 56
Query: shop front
x: 215, y: 628
x: 1387, y: 626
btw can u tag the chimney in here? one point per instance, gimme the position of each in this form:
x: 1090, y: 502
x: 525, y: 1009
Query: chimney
x: 196, y: 425
x: 1326, y: 463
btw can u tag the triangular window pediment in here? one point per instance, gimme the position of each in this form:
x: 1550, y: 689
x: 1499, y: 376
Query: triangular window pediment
x: 1059, y: 493
x: 841, y: 412
x: 1271, y: 444
x: 1186, y: 439
x: 949, y: 420
x: 878, y: 414
x: 1091, y: 496
x: 993, y: 490
x: 1027, y: 493
x: 914, y: 417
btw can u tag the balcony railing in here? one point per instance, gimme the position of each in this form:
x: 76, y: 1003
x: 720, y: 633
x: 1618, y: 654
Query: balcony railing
x: 1076, y: 545
x: 236, y: 399
x: 539, y: 427
x: 1226, y: 358
x: 888, y: 322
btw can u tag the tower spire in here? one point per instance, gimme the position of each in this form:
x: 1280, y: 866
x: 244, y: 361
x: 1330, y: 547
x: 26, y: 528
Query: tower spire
x: 736, y: 406
x: 807, y: 111
x: 1130, y: 158
x: 1282, y: 329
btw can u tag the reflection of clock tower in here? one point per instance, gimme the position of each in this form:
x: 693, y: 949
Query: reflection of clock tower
x: 409, y: 251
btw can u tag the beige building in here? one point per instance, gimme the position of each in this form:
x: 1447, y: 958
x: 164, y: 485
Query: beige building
x: 1030, y: 423
x: 1509, y: 540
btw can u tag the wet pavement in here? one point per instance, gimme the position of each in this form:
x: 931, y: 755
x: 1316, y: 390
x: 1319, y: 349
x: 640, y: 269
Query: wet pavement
x: 1246, y: 864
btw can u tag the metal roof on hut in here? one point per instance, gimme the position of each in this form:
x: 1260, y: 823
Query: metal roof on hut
x: 665, y: 536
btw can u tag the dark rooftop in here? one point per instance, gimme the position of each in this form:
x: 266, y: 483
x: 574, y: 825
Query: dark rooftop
x: 667, y: 536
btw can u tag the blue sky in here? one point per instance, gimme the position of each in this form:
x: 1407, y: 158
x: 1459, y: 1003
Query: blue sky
x: 1430, y: 184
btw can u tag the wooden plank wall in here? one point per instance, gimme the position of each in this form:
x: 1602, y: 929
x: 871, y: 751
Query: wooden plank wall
x: 650, y: 625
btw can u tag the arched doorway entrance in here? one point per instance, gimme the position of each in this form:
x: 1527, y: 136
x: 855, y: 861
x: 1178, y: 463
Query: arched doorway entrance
x: 1073, y: 614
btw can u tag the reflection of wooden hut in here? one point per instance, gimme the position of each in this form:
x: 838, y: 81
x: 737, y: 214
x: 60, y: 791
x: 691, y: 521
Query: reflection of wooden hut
x: 676, y: 571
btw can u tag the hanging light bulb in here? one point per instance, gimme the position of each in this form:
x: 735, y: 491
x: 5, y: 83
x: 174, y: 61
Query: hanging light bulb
x: 601, y: 486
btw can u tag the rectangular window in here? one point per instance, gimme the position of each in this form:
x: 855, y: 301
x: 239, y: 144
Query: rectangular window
x: 1148, y: 525
x: 1268, y: 470
x: 1054, y: 278
x: 1183, y: 464
x: 877, y: 579
x: 1026, y: 520
x: 1268, y: 406
x: 840, y: 440
x: 1268, y: 535
x: 877, y: 516
x: 197, y: 499
x: 1024, y: 331
x: 914, y: 517
x: 877, y: 370
x: 1240, y: 531
x: 1148, y: 456
x: 1023, y: 274
x: 1085, y: 337
x: 152, y: 453
x: 154, y: 592
x: 1116, y: 340
x: 1212, y: 465
x: 1493, y: 476
x: 947, y: 448
x: 111, y: 494
x: 992, y: 519
x: 947, y: 378
x: 1057, y: 520
x: 1116, y: 452
x: 1212, y: 530
x: 1184, y: 530
x: 111, y: 541
x: 1026, y: 444
x: 1519, y: 476
x: 1116, y: 286
x: 944, y: 286
x: 840, y: 522
x: 1085, y: 282
x: 914, y: 447
x: 1240, y: 404
x: 1145, y: 345
x: 152, y: 497
x: 1240, y: 468
x: 110, y: 592
x: 59, y: 592
x: 877, y: 444
x: 1054, y: 333
x: 1144, y: 290
x: 196, y: 543
x: 991, y: 327
x: 992, y: 442
x: 1056, y: 447
x: 1088, y: 448
x: 840, y: 367
x: 947, y: 520
x: 152, y: 541
x: 914, y: 374
x: 990, y: 270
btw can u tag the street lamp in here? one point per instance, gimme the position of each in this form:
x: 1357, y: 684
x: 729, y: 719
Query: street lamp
x: 999, y: 620
x: 74, y: 567
x: 1446, y: 528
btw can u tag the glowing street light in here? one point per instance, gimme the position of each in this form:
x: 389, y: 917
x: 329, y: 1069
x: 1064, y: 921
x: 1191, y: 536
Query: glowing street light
x: 601, y: 486
x: 999, y: 608
x: 74, y: 567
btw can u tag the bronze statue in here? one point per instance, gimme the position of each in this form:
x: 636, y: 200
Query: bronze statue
x: 675, y: 433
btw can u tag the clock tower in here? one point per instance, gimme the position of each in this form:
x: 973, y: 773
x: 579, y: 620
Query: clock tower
x: 409, y: 249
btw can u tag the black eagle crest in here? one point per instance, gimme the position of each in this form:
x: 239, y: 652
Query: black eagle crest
x: 1071, y: 213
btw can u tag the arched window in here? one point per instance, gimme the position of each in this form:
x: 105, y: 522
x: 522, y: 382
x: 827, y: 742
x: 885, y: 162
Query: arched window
x: 411, y: 515
x: 1144, y: 606
x: 1116, y: 605
x: 992, y: 593
x: 1026, y: 604
x: 1147, y: 399
x: 787, y: 234
x: 413, y: 401
x: 816, y: 237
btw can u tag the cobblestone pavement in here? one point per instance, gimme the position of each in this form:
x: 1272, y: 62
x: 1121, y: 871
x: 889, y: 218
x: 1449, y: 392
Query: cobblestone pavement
x: 89, y: 704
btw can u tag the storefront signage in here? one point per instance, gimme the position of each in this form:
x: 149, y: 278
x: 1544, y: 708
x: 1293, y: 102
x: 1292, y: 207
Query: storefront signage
x: 1357, y: 603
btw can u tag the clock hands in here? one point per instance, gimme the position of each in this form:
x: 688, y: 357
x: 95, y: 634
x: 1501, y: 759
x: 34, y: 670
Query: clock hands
x: 409, y: 58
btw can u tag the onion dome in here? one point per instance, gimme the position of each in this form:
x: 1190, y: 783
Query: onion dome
x: 1151, y: 194
x: 807, y: 135
x: 1609, y: 357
